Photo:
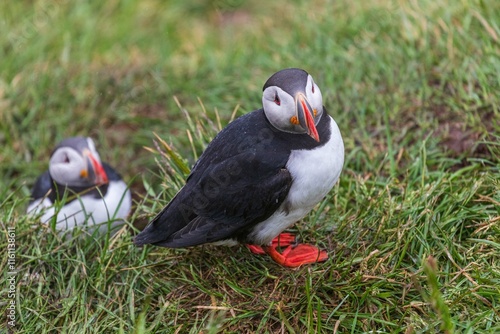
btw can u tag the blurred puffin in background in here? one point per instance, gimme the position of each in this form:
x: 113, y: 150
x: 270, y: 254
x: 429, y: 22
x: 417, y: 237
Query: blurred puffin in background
x: 262, y: 173
x: 80, y: 190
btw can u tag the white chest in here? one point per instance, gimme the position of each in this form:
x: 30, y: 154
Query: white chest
x: 314, y: 173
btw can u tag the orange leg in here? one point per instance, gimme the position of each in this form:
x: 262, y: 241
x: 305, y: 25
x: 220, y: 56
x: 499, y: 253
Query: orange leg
x: 282, y: 240
x: 295, y: 256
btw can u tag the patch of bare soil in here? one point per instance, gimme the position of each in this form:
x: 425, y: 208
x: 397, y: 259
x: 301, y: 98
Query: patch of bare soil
x: 461, y: 139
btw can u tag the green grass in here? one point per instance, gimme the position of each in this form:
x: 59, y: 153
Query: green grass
x: 412, y: 229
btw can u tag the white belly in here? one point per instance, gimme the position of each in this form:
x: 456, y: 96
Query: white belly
x: 87, y: 210
x: 314, y: 174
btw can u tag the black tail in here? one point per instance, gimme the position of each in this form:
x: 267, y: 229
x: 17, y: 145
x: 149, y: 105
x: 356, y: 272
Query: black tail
x: 171, y: 219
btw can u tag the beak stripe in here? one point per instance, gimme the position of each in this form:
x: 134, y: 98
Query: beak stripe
x: 100, y: 173
x: 312, y: 131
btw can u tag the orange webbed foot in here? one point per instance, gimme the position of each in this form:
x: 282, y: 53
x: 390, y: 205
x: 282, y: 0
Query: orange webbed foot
x: 295, y: 256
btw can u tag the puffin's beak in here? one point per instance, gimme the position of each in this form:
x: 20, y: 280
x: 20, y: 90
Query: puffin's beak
x: 95, y: 167
x: 306, y: 119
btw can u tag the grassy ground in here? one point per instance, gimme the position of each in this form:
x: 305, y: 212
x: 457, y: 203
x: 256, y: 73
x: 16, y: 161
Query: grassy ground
x: 412, y: 229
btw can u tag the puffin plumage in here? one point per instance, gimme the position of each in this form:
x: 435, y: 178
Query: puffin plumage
x: 79, y: 189
x: 262, y: 173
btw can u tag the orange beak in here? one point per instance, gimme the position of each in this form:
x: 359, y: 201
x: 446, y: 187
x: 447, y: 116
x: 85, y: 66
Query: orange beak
x: 305, y: 116
x: 97, y: 170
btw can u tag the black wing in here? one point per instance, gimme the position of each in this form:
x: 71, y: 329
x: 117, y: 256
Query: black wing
x: 42, y: 186
x: 231, y: 197
x: 239, y: 181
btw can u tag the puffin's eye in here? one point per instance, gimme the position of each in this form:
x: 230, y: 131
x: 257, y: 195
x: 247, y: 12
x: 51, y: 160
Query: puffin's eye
x: 277, y: 99
x: 66, y: 159
x: 313, y: 88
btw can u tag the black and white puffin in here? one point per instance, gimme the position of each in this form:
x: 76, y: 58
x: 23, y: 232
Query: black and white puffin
x: 79, y: 189
x: 262, y: 173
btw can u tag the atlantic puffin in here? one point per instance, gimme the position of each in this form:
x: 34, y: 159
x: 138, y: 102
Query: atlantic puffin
x: 262, y: 173
x: 79, y: 189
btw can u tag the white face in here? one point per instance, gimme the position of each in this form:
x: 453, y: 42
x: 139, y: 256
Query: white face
x: 281, y: 108
x: 70, y: 167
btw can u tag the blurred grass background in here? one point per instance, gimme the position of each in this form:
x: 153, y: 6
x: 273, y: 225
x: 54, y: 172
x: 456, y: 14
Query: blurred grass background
x: 412, y: 229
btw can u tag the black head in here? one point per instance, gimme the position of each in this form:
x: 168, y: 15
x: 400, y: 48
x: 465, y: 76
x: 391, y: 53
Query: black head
x: 75, y: 162
x: 292, y: 102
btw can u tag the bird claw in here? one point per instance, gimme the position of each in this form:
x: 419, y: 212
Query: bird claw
x: 282, y: 240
